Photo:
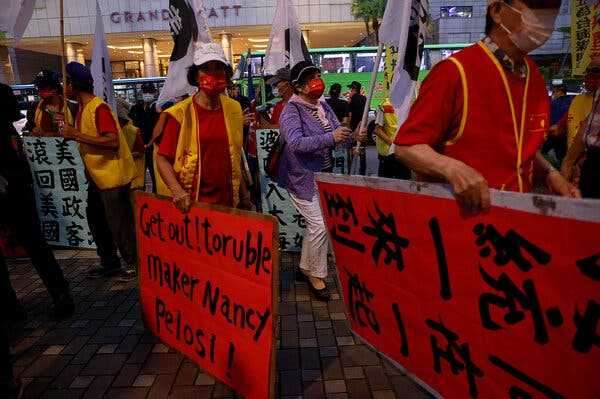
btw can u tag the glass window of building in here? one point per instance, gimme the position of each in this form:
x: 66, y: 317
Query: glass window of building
x: 456, y: 11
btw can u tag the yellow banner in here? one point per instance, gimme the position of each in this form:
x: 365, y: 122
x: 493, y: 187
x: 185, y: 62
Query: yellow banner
x: 391, y: 57
x: 585, y: 34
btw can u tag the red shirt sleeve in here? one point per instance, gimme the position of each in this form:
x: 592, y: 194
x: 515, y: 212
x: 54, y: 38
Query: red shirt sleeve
x: 105, y: 123
x: 169, y: 139
x: 435, y: 116
x: 277, y: 110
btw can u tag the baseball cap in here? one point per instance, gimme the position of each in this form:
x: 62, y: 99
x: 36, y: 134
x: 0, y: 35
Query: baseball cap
x: 79, y: 73
x: 282, y: 75
x: 355, y: 85
x: 206, y: 52
x: 301, y: 69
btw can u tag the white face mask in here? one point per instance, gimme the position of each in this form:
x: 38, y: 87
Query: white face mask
x: 275, y: 92
x: 536, y: 28
x: 147, y: 97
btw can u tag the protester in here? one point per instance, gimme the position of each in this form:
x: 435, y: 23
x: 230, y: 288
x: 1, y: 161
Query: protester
x: 555, y: 148
x: 134, y: 140
x: 580, y: 107
x: 310, y: 131
x: 386, y: 127
x: 586, y: 143
x: 340, y: 107
x: 281, y: 82
x: 358, y: 102
x: 200, y: 153
x: 145, y: 115
x: 469, y: 126
x: 40, y: 116
x: 19, y: 214
x: 110, y: 170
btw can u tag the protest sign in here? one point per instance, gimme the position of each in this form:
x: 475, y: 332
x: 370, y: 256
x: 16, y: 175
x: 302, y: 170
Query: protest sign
x: 61, y: 190
x: 504, y: 304
x: 276, y: 200
x: 585, y: 34
x: 209, y: 287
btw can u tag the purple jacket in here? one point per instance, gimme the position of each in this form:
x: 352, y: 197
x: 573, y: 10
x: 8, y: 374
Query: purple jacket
x: 305, y: 146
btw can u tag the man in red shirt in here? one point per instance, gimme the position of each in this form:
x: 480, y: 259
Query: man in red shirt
x: 200, y: 153
x: 483, y: 114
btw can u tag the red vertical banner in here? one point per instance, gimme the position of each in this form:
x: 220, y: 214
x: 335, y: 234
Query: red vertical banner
x: 209, y: 288
x: 501, y: 305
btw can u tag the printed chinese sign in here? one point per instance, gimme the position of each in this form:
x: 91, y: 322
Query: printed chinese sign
x: 61, y: 190
x: 503, y: 305
x: 585, y: 33
x: 209, y: 288
x: 276, y: 200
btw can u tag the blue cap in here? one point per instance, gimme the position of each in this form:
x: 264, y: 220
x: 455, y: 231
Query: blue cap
x: 79, y: 73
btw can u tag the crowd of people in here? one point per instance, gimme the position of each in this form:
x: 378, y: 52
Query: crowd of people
x: 482, y: 120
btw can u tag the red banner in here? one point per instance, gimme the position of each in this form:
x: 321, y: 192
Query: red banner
x: 208, y: 287
x: 502, y: 305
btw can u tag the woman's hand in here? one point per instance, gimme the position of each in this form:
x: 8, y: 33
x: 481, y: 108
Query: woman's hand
x: 249, y: 117
x: 69, y: 132
x: 561, y: 186
x: 341, y: 135
x: 182, y: 201
x: 360, y: 135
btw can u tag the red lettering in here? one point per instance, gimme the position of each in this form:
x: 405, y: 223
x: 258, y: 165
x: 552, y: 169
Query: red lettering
x: 115, y: 17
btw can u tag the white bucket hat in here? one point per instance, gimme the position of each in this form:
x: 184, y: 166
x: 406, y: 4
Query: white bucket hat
x: 206, y: 52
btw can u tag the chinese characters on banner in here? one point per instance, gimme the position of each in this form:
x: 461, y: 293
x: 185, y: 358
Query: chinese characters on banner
x: 276, y: 200
x: 209, y: 288
x: 503, y: 305
x: 61, y: 190
x: 585, y: 33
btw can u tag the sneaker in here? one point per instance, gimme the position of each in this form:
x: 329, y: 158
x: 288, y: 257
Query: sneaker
x: 322, y: 294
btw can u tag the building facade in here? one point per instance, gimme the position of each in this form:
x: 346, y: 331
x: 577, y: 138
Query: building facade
x: 139, y: 37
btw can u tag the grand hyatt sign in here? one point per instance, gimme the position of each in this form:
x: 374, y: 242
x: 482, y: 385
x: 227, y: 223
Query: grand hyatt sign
x: 158, y: 15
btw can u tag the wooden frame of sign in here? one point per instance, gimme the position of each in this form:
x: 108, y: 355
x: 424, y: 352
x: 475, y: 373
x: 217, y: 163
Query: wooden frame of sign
x: 274, y: 303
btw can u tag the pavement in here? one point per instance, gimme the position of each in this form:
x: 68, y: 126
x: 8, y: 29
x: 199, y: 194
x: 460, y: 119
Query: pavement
x: 104, y: 351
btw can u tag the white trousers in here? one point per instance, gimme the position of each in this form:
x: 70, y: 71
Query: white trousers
x: 315, y: 245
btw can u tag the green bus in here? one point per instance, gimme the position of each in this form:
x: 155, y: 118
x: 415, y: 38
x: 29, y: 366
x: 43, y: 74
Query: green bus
x: 344, y: 65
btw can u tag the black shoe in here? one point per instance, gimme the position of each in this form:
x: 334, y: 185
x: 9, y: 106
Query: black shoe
x: 322, y: 294
x: 301, y: 277
x: 100, y: 272
x: 18, y: 313
x: 64, y: 306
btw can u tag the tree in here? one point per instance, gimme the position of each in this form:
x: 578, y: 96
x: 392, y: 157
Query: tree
x: 370, y: 11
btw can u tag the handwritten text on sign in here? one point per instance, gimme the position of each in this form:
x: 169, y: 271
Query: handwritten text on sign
x: 505, y: 305
x: 206, y: 288
x: 61, y: 190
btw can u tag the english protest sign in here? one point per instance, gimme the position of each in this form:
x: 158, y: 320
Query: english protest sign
x: 500, y: 305
x: 209, y: 288
x: 60, y: 188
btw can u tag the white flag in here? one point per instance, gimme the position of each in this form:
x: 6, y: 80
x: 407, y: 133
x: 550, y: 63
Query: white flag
x: 100, y: 68
x: 404, y: 26
x: 189, y: 28
x: 15, y: 17
x: 286, y: 43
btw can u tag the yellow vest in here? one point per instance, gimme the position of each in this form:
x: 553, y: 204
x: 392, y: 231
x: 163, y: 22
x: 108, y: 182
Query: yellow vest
x: 108, y: 168
x: 390, y: 128
x: 187, y: 159
x: 131, y: 132
x: 578, y: 111
x: 39, y: 112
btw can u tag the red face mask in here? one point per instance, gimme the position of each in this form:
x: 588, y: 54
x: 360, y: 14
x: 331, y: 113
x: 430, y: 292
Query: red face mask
x: 213, y: 84
x: 316, y: 88
x: 46, y: 93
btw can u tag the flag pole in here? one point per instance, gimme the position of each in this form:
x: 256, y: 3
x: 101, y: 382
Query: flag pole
x: 372, y: 83
x: 63, y: 57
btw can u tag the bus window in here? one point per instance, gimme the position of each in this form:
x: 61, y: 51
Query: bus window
x: 336, y: 63
x: 365, y: 62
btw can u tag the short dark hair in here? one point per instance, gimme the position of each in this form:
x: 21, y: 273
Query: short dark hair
x: 82, y: 86
x: 489, y: 22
